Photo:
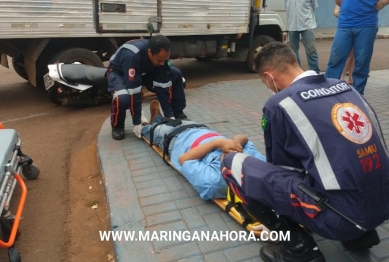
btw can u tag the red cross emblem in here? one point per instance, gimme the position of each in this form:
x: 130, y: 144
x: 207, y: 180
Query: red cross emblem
x: 353, y: 122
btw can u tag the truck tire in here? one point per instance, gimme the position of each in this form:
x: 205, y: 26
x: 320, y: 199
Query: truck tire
x: 71, y: 55
x: 18, y: 65
x: 258, y: 41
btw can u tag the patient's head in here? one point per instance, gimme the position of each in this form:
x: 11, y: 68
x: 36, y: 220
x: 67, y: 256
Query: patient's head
x: 241, y: 139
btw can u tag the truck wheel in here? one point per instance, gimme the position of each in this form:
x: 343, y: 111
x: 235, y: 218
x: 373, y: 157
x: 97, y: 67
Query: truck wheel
x: 258, y: 42
x: 18, y: 65
x: 71, y: 55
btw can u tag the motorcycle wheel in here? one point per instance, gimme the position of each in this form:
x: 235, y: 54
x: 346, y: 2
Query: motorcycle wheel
x: 57, y: 93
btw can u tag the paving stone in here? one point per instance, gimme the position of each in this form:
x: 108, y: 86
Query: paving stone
x: 190, y: 202
x: 208, y: 209
x: 180, y: 194
x: 144, y: 172
x: 147, y: 184
x: 243, y: 252
x: 331, y: 252
x: 159, y: 208
x: 155, y: 199
x: 174, y: 184
x: 172, y: 232
x: 163, y: 218
x: 179, y: 252
x: 137, y: 155
x: 215, y: 257
x: 144, y: 165
x: 169, y: 173
x: 381, y: 251
x: 155, y: 190
x: 195, y: 222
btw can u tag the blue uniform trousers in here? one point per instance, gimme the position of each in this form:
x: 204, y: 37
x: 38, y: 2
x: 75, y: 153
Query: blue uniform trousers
x: 276, y: 187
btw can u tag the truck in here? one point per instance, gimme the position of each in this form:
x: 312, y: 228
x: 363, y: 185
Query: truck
x: 37, y: 33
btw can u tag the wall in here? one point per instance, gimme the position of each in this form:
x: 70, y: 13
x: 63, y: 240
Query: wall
x: 325, y: 18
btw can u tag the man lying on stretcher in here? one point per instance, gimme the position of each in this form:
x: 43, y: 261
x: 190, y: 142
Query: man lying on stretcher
x: 196, y: 152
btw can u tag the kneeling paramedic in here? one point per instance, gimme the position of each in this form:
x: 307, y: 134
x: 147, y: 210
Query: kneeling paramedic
x: 327, y: 162
x: 143, y: 62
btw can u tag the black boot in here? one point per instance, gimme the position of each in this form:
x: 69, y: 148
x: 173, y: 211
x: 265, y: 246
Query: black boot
x: 301, y: 246
x: 367, y: 240
x: 117, y: 133
x: 180, y: 115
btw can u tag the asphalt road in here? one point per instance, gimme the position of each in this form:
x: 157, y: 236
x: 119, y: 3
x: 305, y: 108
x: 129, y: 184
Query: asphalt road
x: 53, y: 136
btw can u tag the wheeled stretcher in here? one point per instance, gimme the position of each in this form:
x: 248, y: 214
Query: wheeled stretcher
x: 12, y: 162
x: 232, y: 205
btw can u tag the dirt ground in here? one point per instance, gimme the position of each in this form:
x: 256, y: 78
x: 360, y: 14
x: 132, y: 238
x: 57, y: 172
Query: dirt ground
x: 59, y: 223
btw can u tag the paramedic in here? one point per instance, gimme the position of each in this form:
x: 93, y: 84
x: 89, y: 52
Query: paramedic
x: 143, y: 62
x: 196, y: 152
x: 321, y: 133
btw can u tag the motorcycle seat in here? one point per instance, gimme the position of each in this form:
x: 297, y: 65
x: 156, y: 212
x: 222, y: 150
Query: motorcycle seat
x: 84, y: 74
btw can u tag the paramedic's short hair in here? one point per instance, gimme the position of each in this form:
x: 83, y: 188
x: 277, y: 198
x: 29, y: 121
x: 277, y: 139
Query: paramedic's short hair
x: 274, y: 55
x: 158, y: 42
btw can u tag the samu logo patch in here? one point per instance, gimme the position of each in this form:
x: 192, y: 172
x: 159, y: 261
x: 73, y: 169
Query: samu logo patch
x: 351, y: 122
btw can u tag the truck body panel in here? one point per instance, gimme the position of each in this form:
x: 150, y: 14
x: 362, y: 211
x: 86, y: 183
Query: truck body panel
x: 86, y: 18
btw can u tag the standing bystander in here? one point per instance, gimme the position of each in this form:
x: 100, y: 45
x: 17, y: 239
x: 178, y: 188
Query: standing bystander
x: 357, y: 28
x: 301, y: 22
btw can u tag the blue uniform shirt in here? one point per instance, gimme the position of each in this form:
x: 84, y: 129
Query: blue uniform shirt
x: 131, y: 61
x: 358, y: 13
x: 204, y: 174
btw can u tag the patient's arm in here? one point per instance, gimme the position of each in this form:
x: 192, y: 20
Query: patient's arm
x: 226, y: 145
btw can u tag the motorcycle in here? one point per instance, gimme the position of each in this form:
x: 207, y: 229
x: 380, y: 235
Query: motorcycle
x: 79, y: 85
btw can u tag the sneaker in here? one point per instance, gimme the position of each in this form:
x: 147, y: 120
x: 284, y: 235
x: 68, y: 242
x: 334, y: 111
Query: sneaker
x: 154, y: 110
x: 117, y: 133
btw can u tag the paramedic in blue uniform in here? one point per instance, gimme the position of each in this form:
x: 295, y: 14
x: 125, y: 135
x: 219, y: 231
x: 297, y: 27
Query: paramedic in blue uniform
x: 143, y: 62
x: 321, y: 133
x: 196, y: 152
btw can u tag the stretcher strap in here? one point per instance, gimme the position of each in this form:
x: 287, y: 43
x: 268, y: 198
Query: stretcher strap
x: 247, y: 219
x: 168, y: 138
x: 152, y: 131
x: 168, y: 122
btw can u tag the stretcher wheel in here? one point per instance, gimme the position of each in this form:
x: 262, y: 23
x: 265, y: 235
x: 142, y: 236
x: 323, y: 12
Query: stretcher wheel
x: 30, y: 172
x: 13, y: 255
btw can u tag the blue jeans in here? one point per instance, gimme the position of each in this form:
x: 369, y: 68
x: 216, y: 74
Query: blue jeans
x: 161, y: 131
x: 362, y: 39
x: 309, y: 42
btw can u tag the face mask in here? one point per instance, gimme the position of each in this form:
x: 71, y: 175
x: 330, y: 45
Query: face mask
x: 275, y: 86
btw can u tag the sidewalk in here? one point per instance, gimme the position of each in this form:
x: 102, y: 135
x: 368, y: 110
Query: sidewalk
x: 144, y: 194
x: 327, y: 34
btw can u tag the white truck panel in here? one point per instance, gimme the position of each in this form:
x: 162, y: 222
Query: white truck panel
x: 135, y: 18
x: 76, y: 18
x: 45, y: 18
x: 204, y: 17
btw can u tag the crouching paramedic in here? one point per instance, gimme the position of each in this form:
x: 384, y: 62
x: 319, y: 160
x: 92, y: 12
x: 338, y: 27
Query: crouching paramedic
x: 195, y: 150
x: 324, y: 146
x: 143, y: 62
